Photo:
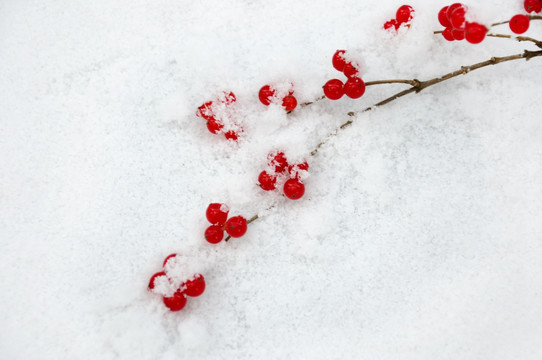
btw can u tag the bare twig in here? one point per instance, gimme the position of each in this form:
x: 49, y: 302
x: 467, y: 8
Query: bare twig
x: 424, y: 84
x: 518, y: 38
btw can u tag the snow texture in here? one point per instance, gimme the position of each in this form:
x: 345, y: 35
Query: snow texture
x: 418, y: 236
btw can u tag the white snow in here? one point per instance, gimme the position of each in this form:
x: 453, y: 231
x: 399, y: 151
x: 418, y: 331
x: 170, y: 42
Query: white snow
x: 418, y: 236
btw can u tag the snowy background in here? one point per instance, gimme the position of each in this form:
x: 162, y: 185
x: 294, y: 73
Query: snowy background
x: 418, y: 237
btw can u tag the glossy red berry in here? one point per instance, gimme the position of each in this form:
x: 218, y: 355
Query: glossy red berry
x: 266, y: 94
x: 475, y: 33
x: 354, y: 88
x: 236, y: 226
x: 533, y: 6
x: 451, y: 10
x: 404, y: 14
x: 231, y: 135
x: 277, y: 160
x: 338, y: 60
x: 217, y: 213
x: 169, y: 257
x: 153, y: 278
x: 458, y: 34
x: 195, y: 287
x: 267, y: 182
x: 175, y: 302
x: 214, y: 234
x: 289, y: 102
x: 214, y: 126
x: 391, y: 24
x: 457, y: 17
x: 519, y: 23
x: 350, y: 70
x: 447, y: 34
x: 334, y: 89
x: 443, y: 17
x: 294, y: 189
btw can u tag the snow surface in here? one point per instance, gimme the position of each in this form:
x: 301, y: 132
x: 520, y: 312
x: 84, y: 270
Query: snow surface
x: 418, y: 236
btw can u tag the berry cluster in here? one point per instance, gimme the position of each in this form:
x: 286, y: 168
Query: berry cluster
x: 533, y: 6
x: 173, y: 284
x: 403, y: 16
x: 452, y: 17
x: 216, y: 113
x: 354, y: 87
x: 217, y: 215
x: 269, y: 94
x: 279, y: 170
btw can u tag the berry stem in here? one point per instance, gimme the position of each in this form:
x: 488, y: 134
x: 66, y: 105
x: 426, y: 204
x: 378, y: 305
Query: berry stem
x: 518, y: 38
x: 312, y: 102
x: 527, y: 55
x: 395, y: 81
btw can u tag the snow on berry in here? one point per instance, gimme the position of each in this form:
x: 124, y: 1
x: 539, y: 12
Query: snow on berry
x: 222, y: 116
x: 217, y: 213
x: 195, y: 286
x: 176, y: 301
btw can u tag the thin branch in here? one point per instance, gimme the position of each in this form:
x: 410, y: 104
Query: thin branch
x: 417, y: 86
x: 312, y: 102
x: 518, y: 38
x: 424, y: 84
x: 414, y: 82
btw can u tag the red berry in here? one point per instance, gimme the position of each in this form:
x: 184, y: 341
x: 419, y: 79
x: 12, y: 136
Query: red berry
x: 443, y: 18
x: 278, y: 160
x: 236, y: 226
x: 168, y: 258
x: 533, y: 6
x: 404, y: 14
x: 338, y: 60
x: 391, y: 23
x: 519, y: 23
x: 354, y: 88
x: 214, y: 126
x: 214, y: 234
x: 266, y: 94
x: 334, y: 89
x: 294, y: 189
x: 458, y: 17
x: 231, y: 135
x: 451, y: 10
x: 267, y: 182
x: 350, y: 70
x: 195, y: 287
x: 475, y: 33
x: 217, y: 213
x: 458, y: 34
x: 175, y: 302
x: 448, y: 35
x: 289, y: 102
x: 153, y: 278
x: 205, y: 111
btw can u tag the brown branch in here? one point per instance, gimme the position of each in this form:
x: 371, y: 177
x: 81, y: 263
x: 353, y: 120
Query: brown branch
x: 417, y: 86
x: 414, y: 82
x: 424, y: 84
x: 518, y: 38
